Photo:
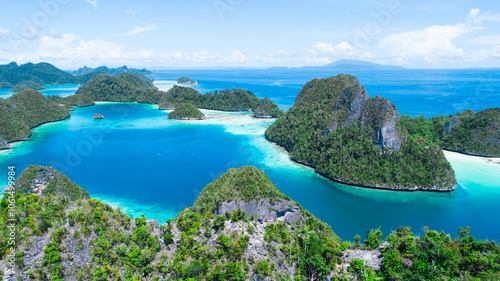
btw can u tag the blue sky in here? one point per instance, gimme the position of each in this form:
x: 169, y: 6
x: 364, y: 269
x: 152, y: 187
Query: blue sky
x: 250, y: 33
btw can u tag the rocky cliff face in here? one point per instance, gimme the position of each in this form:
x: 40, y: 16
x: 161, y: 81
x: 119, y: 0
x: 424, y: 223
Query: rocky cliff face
x: 377, y: 113
x: 381, y: 115
x: 279, y: 211
x: 336, y: 128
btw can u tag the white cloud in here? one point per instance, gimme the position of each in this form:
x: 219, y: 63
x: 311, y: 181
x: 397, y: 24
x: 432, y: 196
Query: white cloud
x: 139, y: 29
x: 5, y: 32
x: 475, y: 16
x: 68, y: 50
x: 237, y: 56
x: 432, y: 44
x: 130, y: 12
x: 93, y: 3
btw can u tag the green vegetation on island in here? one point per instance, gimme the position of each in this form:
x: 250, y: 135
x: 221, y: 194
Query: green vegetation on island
x: 40, y: 73
x: 30, y: 84
x: 25, y: 110
x: 47, y: 180
x: 61, y: 234
x: 165, y: 105
x: 73, y: 100
x: 113, y: 71
x: 244, y: 184
x: 4, y: 84
x: 224, y: 100
x: 267, y: 109
x: 186, y: 80
x: 126, y: 87
x: 466, y: 132
x: 186, y: 111
x: 86, y: 73
x: 335, y: 127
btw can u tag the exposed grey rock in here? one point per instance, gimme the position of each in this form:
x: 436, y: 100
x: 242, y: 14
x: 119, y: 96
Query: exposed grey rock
x: 356, y: 98
x: 371, y: 258
x: 187, y: 118
x: 382, y: 115
x: 450, y: 125
x: 356, y: 106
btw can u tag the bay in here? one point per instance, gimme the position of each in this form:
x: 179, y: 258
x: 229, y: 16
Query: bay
x: 139, y: 160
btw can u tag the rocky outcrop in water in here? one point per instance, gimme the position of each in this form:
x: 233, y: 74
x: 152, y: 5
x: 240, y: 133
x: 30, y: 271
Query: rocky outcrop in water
x: 4, y: 144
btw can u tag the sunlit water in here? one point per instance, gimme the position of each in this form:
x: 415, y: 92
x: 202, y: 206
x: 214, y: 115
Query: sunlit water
x: 139, y: 160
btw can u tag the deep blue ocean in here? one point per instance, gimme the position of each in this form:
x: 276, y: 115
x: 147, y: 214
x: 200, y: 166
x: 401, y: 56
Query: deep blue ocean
x: 144, y: 163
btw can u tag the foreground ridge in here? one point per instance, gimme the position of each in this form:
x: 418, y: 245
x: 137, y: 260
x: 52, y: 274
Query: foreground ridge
x: 240, y: 228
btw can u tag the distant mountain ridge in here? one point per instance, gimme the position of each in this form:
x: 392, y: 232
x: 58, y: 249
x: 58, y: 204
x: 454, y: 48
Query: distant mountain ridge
x: 359, y: 64
x: 114, y: 71
x: 348, y: 65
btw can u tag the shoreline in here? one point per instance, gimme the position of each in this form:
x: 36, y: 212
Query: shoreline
x: 28, y: 137
x: 357, y: 185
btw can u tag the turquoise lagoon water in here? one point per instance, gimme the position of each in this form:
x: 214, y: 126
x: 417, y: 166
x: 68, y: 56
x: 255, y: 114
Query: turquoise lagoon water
x: 139, y: 160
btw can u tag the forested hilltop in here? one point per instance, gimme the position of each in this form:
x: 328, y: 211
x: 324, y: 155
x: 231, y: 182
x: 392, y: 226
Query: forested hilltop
x: 130, y: 87
x: 186, y: 111
x: 335, y: 127
x: 23, y: 111
x: 37, y: 75
x: 241, y: 227
x: 466, y: 132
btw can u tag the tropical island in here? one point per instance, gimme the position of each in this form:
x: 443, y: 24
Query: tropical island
x: 237, y: 100
x: 241, y: 227
x: 466, y: 132
x: 40, y: 74
x: 336, y: 128
x: 84, y: 74
x: 126, y: 87
x: 267, y: 109
x: 23, y: 111
x: 186, y: 111
x: 187, y: 81
x: 130, y: 87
